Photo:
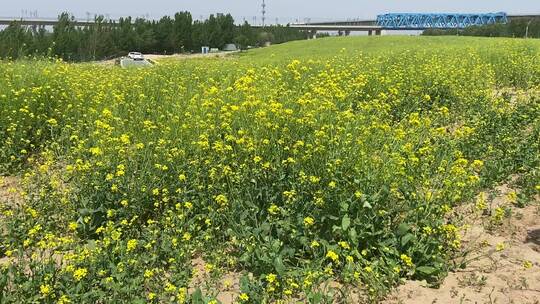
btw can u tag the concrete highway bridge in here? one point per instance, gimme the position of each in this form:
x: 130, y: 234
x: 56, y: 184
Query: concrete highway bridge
x: 346, y: 29
x: 40, y: 22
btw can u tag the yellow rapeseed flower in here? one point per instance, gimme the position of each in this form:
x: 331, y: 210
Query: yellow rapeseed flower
x: 45, y: 290
x: 63, y: 300
x: 131, y: 245
x: 332, y: 256
x: 308, y: 221
x: 243, y: 297
x: 73, y: 226
x: 222, y: 200
x: 80, y: 273
x: 273, y: 209
x: 271, y: 278
x: 407, y: 260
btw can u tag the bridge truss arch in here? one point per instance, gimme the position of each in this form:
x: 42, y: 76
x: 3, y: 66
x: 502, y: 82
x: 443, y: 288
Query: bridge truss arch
x: 438, y: 21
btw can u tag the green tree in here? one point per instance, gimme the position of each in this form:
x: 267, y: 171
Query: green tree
x: 164, y: 35
x: 14, y: 41
x: 200, y: 35
x: 227, y: 27
x: 145, y: 38
x: 241, y: 42
x: 215, y: 33
x: 66, y: 37
x: 248, y: 32
x: 182, y: 31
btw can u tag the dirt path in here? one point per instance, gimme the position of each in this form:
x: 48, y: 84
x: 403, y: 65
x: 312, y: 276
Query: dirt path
x: 506, y: 260
x: 155, y: 57
x: 189, y: 56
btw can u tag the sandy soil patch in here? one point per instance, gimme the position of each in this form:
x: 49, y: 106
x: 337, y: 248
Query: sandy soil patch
x: 10, y: 189
x: 10, y: 194
x: 226, y: 288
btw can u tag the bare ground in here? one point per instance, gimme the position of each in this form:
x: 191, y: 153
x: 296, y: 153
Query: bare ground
x: 226, y: 288
x: 9, y: 189
x: 10, y: 194
x: 157, y: 58
x: 494, y: 274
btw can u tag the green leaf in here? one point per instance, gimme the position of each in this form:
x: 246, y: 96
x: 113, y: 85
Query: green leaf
x: 427, y: 270
x: 245, y: 257
x: 244, y: 283
x: 278, y: 265
x: 353, y: 235
x: 402, y: 229
x: 315, y: 298
x: 197, y: 297
x: 345, y: 222
x: 406, y: 239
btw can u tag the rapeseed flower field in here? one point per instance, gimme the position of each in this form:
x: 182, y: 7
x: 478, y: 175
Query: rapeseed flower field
x: 275, y: 175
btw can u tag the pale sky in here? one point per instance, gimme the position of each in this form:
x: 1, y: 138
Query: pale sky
x: 284, y: 10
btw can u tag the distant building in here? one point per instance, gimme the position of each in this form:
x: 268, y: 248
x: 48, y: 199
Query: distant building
x: 231, y: 47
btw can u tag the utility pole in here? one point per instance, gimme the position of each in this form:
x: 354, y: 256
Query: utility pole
x: 263, y: 12
x: 527, y: 29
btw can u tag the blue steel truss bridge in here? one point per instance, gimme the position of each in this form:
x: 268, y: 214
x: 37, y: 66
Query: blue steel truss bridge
x: 412, y: 21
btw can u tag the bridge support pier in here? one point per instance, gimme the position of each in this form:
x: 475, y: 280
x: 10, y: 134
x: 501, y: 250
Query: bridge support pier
x: 370, y: 32
x: 378, y: 32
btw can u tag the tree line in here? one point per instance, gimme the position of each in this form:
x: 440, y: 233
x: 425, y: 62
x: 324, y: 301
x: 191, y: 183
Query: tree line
x: 106, y: 38
x: 518, y: 28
